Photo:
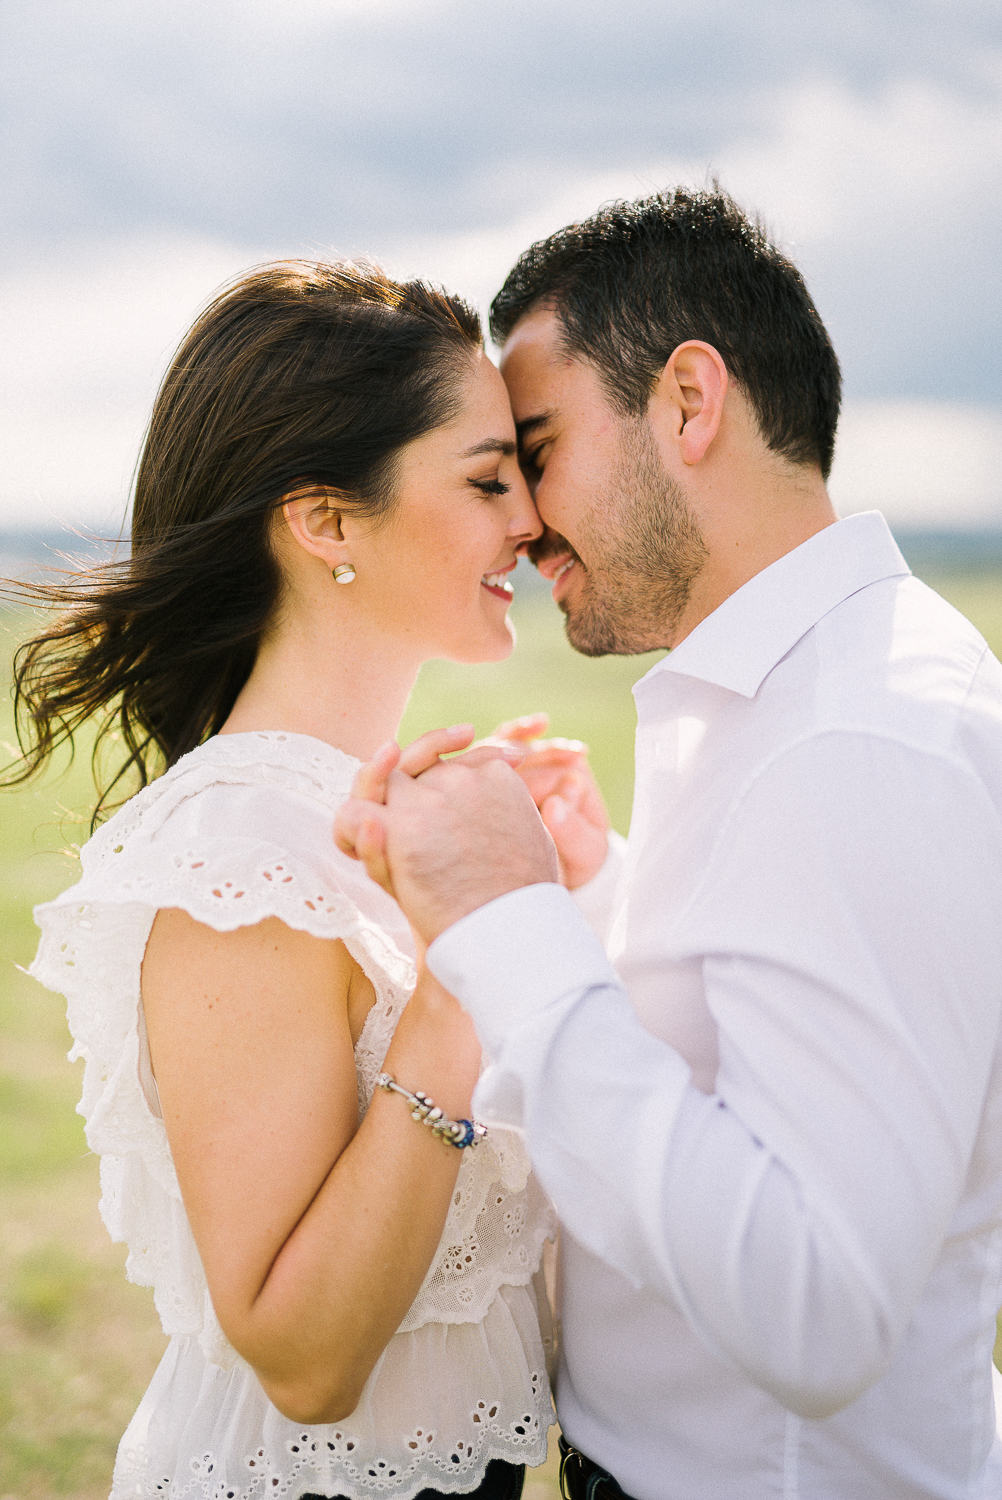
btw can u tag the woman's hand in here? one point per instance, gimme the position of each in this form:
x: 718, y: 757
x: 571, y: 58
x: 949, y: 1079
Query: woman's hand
x: 555, y: 771
x: 558, y: 775
x: 364, y: 837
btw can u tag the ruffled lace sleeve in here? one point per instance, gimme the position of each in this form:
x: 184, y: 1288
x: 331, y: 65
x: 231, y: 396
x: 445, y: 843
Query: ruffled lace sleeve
x: 238, y: 831
x: 233, y: 834
x: 241, y: 830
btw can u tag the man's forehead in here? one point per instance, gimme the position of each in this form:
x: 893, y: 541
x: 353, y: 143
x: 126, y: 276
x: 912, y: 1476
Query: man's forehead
x: 536, y: 337
x: 536, y: 368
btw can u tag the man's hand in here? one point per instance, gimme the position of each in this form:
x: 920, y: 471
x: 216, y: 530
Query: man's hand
x: 448, y: 836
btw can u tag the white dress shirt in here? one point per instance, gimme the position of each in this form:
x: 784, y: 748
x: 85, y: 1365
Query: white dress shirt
x: 772, y: 1123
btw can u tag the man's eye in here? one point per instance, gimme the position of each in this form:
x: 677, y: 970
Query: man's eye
x: 531, y: 462
x: 491, y: 486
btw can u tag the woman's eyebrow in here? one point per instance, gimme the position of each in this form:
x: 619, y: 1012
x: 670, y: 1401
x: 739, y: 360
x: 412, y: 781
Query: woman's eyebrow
x: 490, y: 445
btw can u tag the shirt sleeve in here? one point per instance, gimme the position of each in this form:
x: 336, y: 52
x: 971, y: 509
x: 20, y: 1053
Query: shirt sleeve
x: 848, y: 933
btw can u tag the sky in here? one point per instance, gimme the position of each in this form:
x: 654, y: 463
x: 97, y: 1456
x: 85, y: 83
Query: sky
x: 151, y: 151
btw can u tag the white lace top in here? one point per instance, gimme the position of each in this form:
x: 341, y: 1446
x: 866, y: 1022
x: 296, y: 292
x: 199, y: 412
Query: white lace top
x: 238, y: 830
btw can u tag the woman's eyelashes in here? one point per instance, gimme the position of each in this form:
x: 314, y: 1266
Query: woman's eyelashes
x: 490, y: 486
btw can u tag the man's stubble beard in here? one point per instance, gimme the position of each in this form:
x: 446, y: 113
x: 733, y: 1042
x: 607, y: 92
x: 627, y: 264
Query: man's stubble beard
x: 645, y: 551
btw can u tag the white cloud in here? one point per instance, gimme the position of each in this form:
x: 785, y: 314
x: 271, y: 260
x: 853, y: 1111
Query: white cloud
x: 845, y: 178
x: 923, y: 463
x: 476, y: 263
x: 831, y: 163
x: 87, y: 334
x: 264, y: 15
x: 88, y: 331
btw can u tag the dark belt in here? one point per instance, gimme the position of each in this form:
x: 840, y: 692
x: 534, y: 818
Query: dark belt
x: 582, y: 1479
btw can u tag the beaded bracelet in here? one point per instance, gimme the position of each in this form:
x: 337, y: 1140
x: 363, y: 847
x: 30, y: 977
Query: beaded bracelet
x: 458, y: 1133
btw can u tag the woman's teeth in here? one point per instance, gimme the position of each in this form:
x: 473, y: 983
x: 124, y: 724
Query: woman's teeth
x: 497, y: 581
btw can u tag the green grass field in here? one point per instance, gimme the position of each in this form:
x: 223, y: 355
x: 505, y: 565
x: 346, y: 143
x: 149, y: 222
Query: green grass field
x: 77, y: 1343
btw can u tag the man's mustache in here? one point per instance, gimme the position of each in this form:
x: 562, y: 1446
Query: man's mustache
x: 550, y: 544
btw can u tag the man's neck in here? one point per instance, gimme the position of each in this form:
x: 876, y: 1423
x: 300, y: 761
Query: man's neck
x: 748, y: 532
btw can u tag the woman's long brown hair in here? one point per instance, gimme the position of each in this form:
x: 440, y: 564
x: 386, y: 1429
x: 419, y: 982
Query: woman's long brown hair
x: 297, y: 374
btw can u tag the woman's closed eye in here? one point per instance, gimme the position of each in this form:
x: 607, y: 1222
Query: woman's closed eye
x: 490, y: 486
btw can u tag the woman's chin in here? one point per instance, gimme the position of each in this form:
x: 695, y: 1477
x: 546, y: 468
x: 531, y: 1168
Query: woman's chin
x: 507, y: 642
x: 494, y: 643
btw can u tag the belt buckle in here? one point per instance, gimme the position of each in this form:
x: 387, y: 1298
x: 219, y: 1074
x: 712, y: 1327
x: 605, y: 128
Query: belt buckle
x: 581, y: 1478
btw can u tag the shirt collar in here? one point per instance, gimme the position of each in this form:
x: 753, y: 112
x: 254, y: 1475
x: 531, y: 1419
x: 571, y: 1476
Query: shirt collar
x: 737, y: 646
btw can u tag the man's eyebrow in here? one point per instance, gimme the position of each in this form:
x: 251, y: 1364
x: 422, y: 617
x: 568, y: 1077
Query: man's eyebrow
x: 529, y: 424
x: 490, y: 445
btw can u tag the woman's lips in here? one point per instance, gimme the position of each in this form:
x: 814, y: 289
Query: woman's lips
x: 498, y: 584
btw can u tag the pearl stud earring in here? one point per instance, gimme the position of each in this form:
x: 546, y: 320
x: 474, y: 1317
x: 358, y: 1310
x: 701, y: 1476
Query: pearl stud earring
x: 344, y: 573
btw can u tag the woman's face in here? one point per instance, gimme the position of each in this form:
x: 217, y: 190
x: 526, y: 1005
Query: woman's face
x: 434, y: 573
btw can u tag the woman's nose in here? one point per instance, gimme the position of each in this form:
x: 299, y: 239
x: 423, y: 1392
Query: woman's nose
x: 525, y: 523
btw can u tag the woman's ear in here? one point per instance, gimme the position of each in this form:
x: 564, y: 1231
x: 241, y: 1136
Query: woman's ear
x: 314, y: 523
x: 688, y: 401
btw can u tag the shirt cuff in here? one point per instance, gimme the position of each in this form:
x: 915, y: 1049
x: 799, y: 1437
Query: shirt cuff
x: 594, y: 900
x: 515, y: 956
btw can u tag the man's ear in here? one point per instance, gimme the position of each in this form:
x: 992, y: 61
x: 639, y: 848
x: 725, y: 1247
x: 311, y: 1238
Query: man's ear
x: 313, y: 521
x: 688, y: 401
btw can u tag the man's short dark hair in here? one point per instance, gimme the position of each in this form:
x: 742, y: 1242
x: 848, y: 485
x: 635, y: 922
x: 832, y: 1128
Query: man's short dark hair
x: 635, y: 280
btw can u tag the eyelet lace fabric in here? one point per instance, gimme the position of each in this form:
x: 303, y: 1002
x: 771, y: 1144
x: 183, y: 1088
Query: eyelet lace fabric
x: 237, y: 831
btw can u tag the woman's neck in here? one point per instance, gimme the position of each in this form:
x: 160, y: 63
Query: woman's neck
x: 349, y: 693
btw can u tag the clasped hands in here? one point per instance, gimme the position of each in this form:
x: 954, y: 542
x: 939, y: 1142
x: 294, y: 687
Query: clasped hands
x: 444, y: 837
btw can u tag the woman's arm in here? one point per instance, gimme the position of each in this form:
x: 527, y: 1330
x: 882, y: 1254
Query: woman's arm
x: 315, y: 1233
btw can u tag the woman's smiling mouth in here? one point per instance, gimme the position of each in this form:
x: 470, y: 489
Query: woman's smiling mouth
x: 498, y: 584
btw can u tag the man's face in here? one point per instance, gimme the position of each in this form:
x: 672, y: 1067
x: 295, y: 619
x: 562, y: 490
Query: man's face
x: 621, y: 543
